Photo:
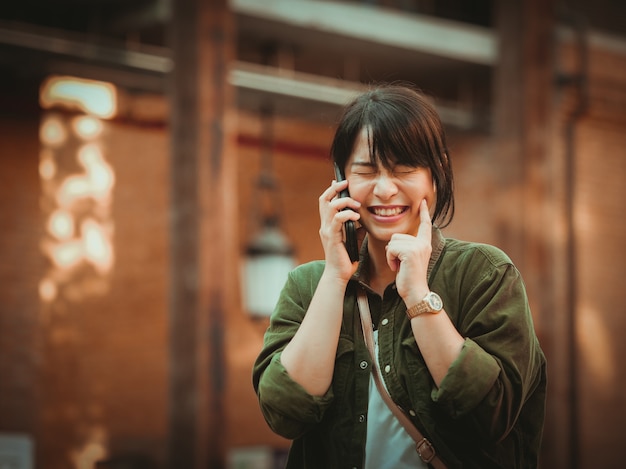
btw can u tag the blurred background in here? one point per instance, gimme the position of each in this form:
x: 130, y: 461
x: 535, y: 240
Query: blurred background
x: 160, y: 164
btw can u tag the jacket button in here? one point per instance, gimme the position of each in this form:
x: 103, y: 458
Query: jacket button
x: 385, y: 321
x: 363, y: 364
x: 387, y: 368
x: 361, y: 418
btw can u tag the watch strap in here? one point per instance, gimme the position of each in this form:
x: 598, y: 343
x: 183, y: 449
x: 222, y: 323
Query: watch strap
x: 417, y: 309
x: 426, y: 306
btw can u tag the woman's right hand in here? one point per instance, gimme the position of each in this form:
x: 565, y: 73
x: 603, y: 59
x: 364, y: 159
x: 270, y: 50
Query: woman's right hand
x: 332, y: 218
x: 310, y: 355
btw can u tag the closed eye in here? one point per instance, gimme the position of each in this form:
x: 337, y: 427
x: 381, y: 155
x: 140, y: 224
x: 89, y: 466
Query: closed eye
x: 400, y: 170
x: 364, y: 169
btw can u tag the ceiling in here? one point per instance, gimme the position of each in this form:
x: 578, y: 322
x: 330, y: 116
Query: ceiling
x: 126, y: 42
x: 319, y: 41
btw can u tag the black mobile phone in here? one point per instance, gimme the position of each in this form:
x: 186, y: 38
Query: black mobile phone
x: 349, y: 227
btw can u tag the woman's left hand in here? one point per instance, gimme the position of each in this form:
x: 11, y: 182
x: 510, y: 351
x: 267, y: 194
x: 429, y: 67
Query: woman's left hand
x: 408, y: 256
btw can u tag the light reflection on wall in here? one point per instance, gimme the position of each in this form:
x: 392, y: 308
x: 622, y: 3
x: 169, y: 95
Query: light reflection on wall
x: 77, y: 202
x: 93, y: 450
x: 594, y: 335
x: 92, y: 97
x: 77, y: 185
x: 595, y: 342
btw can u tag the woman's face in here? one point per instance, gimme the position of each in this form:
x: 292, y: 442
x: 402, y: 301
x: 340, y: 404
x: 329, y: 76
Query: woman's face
x: 390, y: 198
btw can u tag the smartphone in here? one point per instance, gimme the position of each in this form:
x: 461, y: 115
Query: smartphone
x: 349, y: 227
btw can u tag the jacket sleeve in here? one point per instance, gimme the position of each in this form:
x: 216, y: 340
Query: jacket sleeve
x: 288, y: 409
x: 501, y: 362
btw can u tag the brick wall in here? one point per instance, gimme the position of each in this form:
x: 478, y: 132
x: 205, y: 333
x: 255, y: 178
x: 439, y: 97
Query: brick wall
x: 599, y: 194
x: 104, y: 383
x: 20, y: 266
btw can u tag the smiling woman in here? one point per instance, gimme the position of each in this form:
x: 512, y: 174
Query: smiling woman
x: 454, y: 341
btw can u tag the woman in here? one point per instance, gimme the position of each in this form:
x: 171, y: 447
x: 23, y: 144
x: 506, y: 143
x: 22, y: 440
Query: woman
x: 469, y: 375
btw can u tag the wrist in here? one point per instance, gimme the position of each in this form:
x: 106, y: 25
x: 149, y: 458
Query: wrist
x: 430, y: 303
x: 335, y: 277
x: 415, y: 296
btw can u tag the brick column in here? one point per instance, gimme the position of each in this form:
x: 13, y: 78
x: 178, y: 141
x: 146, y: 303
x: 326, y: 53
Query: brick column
x: 202, y: 224
x: 532, y: 221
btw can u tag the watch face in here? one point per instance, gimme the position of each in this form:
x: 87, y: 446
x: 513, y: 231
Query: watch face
x: 435, y: 302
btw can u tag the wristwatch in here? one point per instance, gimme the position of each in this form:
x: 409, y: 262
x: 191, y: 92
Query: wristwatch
x: 430, y: 304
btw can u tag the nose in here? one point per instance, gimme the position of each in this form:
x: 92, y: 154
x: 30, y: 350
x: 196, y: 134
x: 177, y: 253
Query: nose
x: 385, y: 186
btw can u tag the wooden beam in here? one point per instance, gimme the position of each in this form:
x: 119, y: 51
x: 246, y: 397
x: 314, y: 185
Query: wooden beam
x: 409, y: 31
x: 202, y: 179
x: 532, y: 173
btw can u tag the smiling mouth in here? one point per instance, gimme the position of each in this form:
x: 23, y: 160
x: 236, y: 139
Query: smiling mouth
x: 387, y: 211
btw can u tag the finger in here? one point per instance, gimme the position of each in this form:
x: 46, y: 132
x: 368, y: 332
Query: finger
x: 424, y: 231
x: 334, y: 190
x: 345, y: 215
x: 392, y: 258
x: 344, y: 203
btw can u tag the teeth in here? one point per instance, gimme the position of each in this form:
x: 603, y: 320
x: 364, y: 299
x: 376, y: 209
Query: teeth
x: 388, y: 212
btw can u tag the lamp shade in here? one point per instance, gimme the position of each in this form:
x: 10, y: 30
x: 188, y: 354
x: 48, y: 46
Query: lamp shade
x: 269, y: 259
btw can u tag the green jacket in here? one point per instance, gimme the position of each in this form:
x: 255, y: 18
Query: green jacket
x: 488, y: 411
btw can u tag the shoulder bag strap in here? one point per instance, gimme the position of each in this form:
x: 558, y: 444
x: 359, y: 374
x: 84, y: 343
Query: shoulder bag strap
x: 424, y: 448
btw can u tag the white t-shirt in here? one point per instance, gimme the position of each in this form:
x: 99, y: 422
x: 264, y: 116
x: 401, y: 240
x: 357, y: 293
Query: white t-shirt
x: 388, y: 445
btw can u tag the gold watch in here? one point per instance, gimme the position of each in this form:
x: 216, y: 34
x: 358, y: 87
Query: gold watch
x: 430, y: 304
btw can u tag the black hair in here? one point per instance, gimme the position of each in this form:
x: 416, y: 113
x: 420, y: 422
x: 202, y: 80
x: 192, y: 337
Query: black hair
x: 403, y: 128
